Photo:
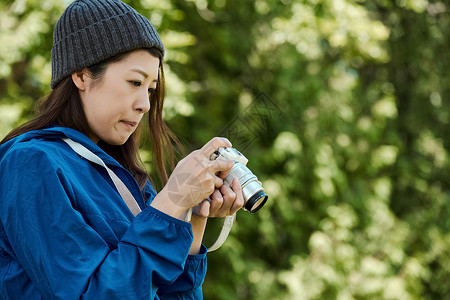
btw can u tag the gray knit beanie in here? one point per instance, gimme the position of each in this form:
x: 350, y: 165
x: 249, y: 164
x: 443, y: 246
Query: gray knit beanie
x: 90, y: 31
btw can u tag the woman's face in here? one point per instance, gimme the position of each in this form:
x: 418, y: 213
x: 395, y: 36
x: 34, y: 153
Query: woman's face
x: 115, y: 104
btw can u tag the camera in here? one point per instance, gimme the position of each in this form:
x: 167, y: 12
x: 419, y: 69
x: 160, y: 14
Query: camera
x: 254, y: 195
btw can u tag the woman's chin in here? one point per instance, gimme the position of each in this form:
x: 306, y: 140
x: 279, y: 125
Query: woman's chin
x: 116, y: 141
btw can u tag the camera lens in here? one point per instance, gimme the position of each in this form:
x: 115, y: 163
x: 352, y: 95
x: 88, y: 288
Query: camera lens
x: 256, y: 202
x: 254, y: 195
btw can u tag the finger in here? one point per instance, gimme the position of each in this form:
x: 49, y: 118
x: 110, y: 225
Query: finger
x: 239, y: 201
x: 214, y: 144
x: 229, y: 197
x: 216, y: 202
x: 218, y: 182
x: 233, y: 198
x: 196, y: 209
x: 221, y: 165
x: 223, y: 174
x: 202, y: 210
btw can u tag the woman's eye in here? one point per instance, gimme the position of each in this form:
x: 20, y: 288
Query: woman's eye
x: 136, y: 83
x: 151, y: 91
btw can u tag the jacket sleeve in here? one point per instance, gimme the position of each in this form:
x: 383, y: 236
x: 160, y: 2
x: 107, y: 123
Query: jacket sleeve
x: 189, y: 284
x: 65, y: 258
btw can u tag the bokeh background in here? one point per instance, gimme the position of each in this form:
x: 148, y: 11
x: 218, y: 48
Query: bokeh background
x: 341, y: 106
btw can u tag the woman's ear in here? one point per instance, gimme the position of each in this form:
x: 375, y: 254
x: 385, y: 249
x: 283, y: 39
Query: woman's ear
x: 81, y: 79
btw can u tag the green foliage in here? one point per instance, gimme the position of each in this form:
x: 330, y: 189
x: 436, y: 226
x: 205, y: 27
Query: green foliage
x: 341, y: 107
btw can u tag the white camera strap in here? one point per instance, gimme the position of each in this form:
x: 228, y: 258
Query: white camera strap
x: 226, y: 228
x: 224, y: 232
x: 129, y: 199
x: 120, y: 186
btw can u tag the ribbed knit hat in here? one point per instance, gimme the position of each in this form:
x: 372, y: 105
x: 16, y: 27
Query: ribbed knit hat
x: 90, y: 31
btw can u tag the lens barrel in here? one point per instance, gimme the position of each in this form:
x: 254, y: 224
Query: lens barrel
x: 256, y: 202
x: 254, y: 195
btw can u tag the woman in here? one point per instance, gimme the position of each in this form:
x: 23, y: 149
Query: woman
x: 65, y: 231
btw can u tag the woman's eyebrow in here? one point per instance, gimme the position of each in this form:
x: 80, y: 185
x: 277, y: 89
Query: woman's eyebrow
x: 143, y: 73
x: 140, y: 72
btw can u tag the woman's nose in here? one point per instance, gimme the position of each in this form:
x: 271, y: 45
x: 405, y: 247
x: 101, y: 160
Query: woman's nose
x: 142, y: 104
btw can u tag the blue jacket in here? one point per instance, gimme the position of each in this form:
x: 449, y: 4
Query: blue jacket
x: 65, y: 232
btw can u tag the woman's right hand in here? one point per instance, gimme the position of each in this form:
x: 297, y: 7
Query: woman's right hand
x: 194, y: 179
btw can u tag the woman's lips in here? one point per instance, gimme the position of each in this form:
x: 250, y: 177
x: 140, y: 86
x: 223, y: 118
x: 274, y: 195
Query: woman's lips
x: 130, y: 124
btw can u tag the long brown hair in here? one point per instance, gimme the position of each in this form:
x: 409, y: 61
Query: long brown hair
x: 63, y: 107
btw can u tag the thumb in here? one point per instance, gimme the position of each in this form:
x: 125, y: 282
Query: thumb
x: 202, y: 210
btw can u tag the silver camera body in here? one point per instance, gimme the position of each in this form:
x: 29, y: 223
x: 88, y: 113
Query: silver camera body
x: 254, y: 195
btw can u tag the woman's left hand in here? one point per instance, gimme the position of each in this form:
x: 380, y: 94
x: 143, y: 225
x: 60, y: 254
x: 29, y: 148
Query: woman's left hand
x: 224, y: 201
